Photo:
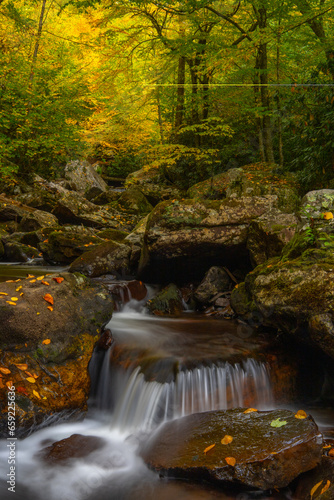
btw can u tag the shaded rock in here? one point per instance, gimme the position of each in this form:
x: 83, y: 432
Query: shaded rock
x: 183, y: 239
x: 92, y: 192
x: 215, y: 280
x: 167, y: 301
x: 83, y: 176
x: 133, y: 200
x: 124, y: 292
x: 18, y: 252
x: 323, y: 476
x: 269, y: 234
x: 136, y: 240
x: 295, y: 295
x: 8, y: 227
x: 75, y: 446
x: 112, y: 234
x: 2, y: 250
x: 106, y: 197
x: 258, y: 179
x: 107, y: 258
x: 65, y: 245
x: 105, y: 341
x: 153, y: 185
x: 11, y: 210
x: 38, y: 220
x: 265, y: 457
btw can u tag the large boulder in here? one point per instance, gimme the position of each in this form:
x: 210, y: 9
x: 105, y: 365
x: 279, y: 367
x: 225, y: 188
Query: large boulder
x: 263, y: 450
x: 83, y: 177
x: 167, y: 302
x: 153, y: 185
x: 185, y: 238
x: 108, y: 258
x: 30, y: 218
x: 258, y: 179
x: 133, y: 200
x: 215, y: 280
x: 49, y: 328
x: 19, y: 252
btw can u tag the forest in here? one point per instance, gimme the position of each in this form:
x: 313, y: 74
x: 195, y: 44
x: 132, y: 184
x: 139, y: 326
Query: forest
x: 192, y: 88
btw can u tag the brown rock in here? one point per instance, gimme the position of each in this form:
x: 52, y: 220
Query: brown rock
x: 75, y: 446
x: 260, y: 455
x: 107, y: 258
x: 323, y: 476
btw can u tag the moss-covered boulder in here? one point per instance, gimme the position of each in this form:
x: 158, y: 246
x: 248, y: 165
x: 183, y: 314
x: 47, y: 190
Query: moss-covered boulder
x: 263, y: 450
x: 134, y: 201
x: 18, y: 252
x: 153, y: 185
x: 29, y: 218
x: 49, y: 328
x: 112, y: 234
x: 295, y: 295
x: 108, y: 258
x: 258, y: 179
x: 167, y: 302
x: 66, y: 244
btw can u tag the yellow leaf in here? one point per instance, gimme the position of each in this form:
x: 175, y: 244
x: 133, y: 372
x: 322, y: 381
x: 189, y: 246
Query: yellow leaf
x: 32, y: 281
x: 250, y: 410
x: 40, y: 278
x: 9, y: 384
x: 227, y: 439
x: 50, y: 308
x: 35, y: 393
x: 19, y: 288
x: 301, y: 414
x: 231, y: 461
x: 11, y: 303
x: 38, y: 313
x: 314, y: 489
x: 325, y: 488
x: 3, y: 293
x: 14, y: 299
x: 46, y: 341
x: 30, y: 276
x: 5, y: 371
x: 21, y: 294
x: 209, y: 448
x: 327, y: 215
x: 22, y: 366
x: 31, y: 380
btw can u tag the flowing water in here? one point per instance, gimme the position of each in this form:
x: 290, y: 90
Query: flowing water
x: 156, y: 370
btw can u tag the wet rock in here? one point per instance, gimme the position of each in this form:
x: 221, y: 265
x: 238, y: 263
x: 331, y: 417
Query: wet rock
x: 320, y: 481
x: 83, y: 176
x: 75, y: 446
x: 260, y: 455
x: 134, y: 201
x: 108, y: 258
x: 215, y: 280
x: 166, y: 302
x: 124, y: 292
x: 18, y: 252
x: 68, y: 243
x: 105, y: 341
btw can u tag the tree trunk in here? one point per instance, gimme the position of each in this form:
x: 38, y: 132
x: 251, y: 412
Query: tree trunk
x: 38, y: 39
x: 279, y: 111
x: 162, y: 140
x: 181, y: 78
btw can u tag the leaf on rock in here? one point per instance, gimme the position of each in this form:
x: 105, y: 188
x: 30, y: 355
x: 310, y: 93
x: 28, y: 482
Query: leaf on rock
x: 250, y: 410
x: 325, y: 488
x: 35, y: 393
x: 50, y: 308
x: 22, y: 390
x: 46, y: 341
x: 278, y: 423
x: 3, y: 293
x: 9, y: 384
x: 31, y: 380
x: 331, y: 453
x: 22, y: 366
x: 30, y: 276
x: 32, y: 281
x: 231, y: 461
x: 40, y: 278
x: 45, y: 283
x: 227, y: 439
x: 58, y: 279
x: 314, y: 489
x: 301, y: 414
x: 5, y: 371
x: 48, y: 298
x: 14, y: 299
x: 208, y: 448
x: 327, y: 215
x: 18, y: 288
x: 11, y: 303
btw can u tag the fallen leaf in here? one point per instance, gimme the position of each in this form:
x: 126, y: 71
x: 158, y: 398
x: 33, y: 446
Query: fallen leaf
x: 58, y: 279
x: 231, y: 461
x: 209, y: 448
x: 30, y: 276
x: 22, y: 366
x: 19, y: 288
x: 331, y: 453
x: 48, y: 298
x: 50, y: 308
x: 21, y: 294
x: 40, y: 278
x: 314, y: 489
x: 301, y: 414
x: 10, y: 281
x: 31, y: 380
x: 32, y: 281
x: 325, y: 488
x: 45, y: 283
x: 29, y: 374
x: 3, y: 293
x: 14, y: 299
x: 38, y: 313
x: 35, y: 393
x: 22, y: 390
x: 9, y: 384
x: 327, y: 215
x: 5, y: 371
x: 11, y: 303
x: 227, y: 439
x: 250, y: 410
x: 278, y: 423
x: 46, y: 341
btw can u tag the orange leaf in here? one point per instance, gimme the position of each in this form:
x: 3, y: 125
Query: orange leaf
x: 30, y: 276
x: 46, y: 341
x: 231, y: 461
x: 22, y: 366
x: 209, y: 448
x: 32, y: 281
x: 5, y: 371
x: 250, y: 410
x: 301, y: 414
x: 331, y: 453
x: 9, y: 384
x: 48, y: 298
x: 50, y: 308
x: 227, y: 439
x: 22, y: 390
x: 325, y: 488
x: 58, y: 279
x: 314, y: 489
x: 45, y: 283
x: 31, y: 380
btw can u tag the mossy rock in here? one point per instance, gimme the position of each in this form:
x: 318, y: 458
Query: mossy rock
x: 65, y: 245
x: 132, y: 200
x: 112, y: 234
x: 166, y: 302
x: 18, y: 252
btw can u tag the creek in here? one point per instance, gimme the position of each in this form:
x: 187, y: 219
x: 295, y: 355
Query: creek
x: 157, y: 369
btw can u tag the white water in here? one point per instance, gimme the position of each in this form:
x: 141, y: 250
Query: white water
x: 115, y: 472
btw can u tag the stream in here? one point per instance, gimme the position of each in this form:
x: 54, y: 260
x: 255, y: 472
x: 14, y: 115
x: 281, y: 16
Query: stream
x: 157, y: 369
